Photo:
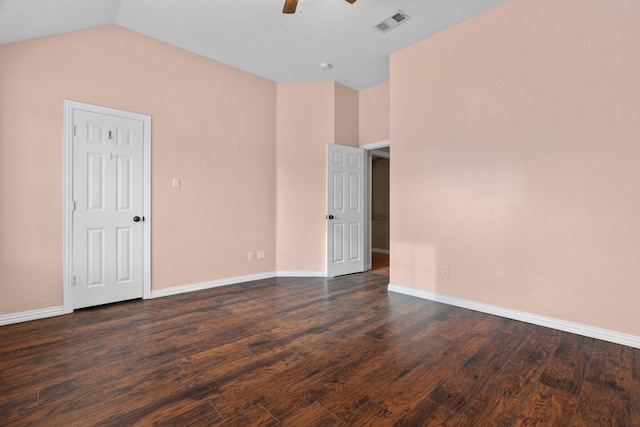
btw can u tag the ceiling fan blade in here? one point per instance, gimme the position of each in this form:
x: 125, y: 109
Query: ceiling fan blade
x: 351, y: 1
x: 290, y: 6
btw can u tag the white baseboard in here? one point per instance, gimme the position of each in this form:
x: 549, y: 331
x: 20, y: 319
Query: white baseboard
x: 25, y: 316
x: 296, y: 273
x: 549, y: 322
x: 380, y: 251
x: 212, y: 284
x: 232, y: 281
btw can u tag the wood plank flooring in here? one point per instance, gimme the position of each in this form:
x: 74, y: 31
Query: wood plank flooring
x: 379, y: 263
x: 308, y: 352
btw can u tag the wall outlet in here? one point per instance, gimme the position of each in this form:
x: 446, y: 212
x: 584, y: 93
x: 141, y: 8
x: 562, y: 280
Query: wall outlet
x: 261, y: 255
x: 175, y: 183
x: 445, y: 271
x: 250, y: 256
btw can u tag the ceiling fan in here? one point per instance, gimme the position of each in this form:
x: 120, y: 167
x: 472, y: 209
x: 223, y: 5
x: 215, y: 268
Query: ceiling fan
x: 290, y: 5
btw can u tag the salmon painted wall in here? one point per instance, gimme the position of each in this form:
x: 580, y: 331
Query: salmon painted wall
x: 307, y: 119
x: 374, y: 114
x: 516, y: 161
x: 213, y: 127
x: 346, y: 116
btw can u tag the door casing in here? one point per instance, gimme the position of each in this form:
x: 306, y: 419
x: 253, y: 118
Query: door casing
x: 67, y: 279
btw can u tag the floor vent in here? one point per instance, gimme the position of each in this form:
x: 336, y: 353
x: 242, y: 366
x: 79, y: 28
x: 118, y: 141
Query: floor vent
x: 392, y: 21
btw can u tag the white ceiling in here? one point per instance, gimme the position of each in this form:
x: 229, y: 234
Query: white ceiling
x: 254, y: 35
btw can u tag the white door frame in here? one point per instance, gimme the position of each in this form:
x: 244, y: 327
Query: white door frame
x: 67, y: 275
x: 369, y: 148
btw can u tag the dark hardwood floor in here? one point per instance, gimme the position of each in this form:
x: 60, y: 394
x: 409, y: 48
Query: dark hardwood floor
x: 308, y: 352
x: 379, y: 263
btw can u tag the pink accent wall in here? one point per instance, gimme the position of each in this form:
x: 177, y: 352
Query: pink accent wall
x: 346, y: 116
x: 213, y: 126
x: 516, y: 161
x: 309, y: 115
x: 374, y: 114
x: 305, y: 114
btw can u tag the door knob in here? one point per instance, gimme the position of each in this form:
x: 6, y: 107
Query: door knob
x: 330, y: 216
x: 137, y: 219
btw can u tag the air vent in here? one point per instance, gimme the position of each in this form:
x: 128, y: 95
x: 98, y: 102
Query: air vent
x: 392, y: 22
x: 382, y: 27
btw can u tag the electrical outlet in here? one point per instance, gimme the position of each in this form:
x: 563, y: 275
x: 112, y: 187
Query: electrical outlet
x: 175, y: 183
x: 445, y: 270
x: 261, y: 255
x: 250, y: 256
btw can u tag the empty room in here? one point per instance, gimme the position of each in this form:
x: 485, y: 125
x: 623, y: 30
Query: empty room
x: 192, y: 229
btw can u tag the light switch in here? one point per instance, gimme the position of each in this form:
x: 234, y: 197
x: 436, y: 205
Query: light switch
x: 176, y: 183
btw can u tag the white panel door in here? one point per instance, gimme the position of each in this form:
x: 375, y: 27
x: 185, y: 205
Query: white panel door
x: 107, y: 253
x: 345, y: 210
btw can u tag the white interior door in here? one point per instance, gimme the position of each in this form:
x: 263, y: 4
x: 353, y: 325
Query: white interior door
x: 345, y: 210
x: 108, y: 208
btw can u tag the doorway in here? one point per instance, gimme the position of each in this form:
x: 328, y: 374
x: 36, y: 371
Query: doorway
x: 107, y: 195
x: 379, y: 155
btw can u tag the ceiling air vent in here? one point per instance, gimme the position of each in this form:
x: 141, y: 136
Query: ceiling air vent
x: 392, y: 22
x: 382, y: 27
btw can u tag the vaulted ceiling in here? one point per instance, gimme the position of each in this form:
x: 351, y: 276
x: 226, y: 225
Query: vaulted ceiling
x: 254, y: 35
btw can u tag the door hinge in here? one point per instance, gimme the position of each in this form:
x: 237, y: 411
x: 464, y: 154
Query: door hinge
x: 74, y: 206
x: 75, y: 130
x: 73, y: 281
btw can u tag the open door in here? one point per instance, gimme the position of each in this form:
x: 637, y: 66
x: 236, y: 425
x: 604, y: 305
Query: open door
x: 345, y: 210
